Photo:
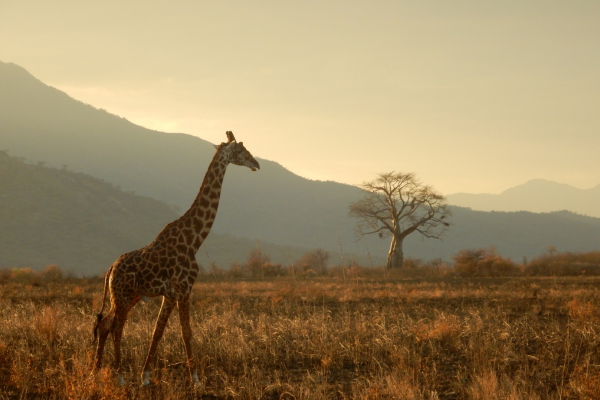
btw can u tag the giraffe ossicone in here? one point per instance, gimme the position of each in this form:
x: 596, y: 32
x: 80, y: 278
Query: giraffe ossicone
x: 167, y: 267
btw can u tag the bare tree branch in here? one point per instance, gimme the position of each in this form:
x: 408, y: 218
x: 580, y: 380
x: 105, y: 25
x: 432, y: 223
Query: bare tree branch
x: 397, y: 205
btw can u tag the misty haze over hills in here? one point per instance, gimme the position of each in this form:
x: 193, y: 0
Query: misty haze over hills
x: 55, y: 216
x: 536, y: 195
x: 273, y: 205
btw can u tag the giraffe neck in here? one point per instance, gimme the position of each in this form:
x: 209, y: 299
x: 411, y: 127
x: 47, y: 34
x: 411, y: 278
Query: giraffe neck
x: 196, y: 223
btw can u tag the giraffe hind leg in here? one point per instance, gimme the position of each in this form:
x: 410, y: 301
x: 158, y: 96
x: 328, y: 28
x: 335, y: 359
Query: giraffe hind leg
x: 122, y: 307
x: 117, y: 334
x: 98, y: 320
x: 102, y: 329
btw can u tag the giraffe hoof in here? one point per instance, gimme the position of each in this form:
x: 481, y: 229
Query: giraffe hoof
x: 196, y: 382
x: 147, y: 385
x: 146, y: 382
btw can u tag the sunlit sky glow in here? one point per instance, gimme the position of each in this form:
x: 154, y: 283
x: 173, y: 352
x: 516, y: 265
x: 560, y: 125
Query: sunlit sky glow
x: 472, y: 96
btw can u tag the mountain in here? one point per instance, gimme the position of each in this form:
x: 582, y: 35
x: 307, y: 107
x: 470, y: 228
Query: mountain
x: 285, y: 213
x: 55, y: 216
x: 41, y: 123
x: 537, y: 195
x: 514, y: 234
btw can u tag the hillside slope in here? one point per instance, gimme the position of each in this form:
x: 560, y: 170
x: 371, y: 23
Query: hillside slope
x: 54, y: 216
x: 536, y: 195
x: 514, y: 234
x: 274, y: 205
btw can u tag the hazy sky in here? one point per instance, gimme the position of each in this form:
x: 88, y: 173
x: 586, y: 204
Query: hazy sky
x: 472, y: 96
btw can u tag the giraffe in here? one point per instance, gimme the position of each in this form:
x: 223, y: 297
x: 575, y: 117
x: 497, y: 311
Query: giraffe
x: 167, y: 267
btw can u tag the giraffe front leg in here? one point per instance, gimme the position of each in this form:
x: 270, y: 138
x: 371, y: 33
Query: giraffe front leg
x: 161, y: 323
x: 186, y: 333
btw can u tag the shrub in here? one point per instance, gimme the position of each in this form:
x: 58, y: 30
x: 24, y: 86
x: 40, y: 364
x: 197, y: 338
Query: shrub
x: 482, y: 263
x: 236, y: 271
x: 4, y: 275
x: 23, y: 275
x: 52, y: 273
x: 315, y: 260
x: 255, y: 262
x: 564, y: 264
x: 215, y: 272
x: 412, y: 263
x: 269, y: 270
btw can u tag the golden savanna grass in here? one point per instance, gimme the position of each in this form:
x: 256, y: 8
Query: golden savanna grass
x: 381, y: 337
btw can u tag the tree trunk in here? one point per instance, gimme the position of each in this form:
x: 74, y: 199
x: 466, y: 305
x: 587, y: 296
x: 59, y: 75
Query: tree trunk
x: 395, y: 255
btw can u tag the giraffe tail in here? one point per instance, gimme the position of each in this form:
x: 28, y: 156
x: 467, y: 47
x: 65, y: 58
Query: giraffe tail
x: 99, y: 315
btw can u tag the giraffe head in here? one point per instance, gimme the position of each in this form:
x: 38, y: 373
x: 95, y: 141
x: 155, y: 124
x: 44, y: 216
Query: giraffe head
x: 238, y: 154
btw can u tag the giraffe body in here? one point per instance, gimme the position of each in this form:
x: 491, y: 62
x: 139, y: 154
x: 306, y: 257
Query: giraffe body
x: 167, y: 267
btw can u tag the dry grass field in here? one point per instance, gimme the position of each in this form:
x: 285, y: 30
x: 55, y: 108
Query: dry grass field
x: 337, y: 337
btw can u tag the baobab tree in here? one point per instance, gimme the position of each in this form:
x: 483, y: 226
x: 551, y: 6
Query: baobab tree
x: 397, y: 205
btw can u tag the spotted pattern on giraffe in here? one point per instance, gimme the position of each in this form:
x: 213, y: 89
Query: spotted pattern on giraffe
x: 167, y: 267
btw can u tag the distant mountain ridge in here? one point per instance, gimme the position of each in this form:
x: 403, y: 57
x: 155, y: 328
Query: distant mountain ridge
x: 41, y: 123
x: 55, y: 216
x: 536, y: 195
x: 514, y: 234
x: 273, y: 206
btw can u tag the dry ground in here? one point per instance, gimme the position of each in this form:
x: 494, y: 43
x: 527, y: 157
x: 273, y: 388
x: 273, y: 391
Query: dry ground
x: 323, y: 338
